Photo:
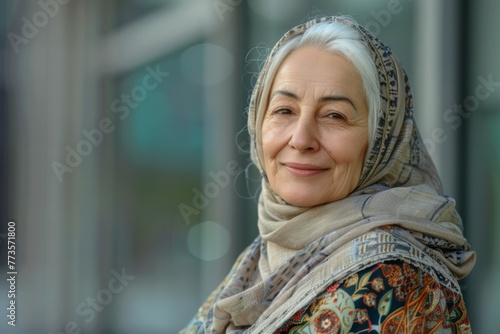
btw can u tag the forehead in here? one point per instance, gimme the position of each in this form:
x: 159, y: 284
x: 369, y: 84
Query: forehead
x: 312, y: 69
x: 310, y: 64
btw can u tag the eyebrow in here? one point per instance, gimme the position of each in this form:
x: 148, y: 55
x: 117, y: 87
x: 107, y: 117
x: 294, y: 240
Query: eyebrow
x: 323, y: 99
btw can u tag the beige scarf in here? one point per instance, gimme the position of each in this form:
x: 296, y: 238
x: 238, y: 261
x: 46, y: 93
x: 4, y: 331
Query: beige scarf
x: 396, y: 212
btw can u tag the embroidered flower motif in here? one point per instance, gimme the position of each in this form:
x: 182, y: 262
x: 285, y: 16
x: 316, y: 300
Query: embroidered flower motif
x: 327, y: 322
x: 370, y: 299
x: 394, y: 274
x: 297, y: 316
x: 402, y: 278
x: 362, y: 316
x: 411, y: 277
x: 378, y: 284
x: 333, y: 287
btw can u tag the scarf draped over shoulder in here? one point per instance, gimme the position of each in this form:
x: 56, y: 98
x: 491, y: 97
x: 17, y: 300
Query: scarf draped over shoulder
x: 397, y: 211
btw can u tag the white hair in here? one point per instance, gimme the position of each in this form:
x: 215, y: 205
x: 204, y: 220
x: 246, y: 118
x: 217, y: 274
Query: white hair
x: 341, y: 39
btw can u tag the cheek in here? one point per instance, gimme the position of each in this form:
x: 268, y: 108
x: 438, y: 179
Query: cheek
x: 270, y: 147
x: 348, y: 149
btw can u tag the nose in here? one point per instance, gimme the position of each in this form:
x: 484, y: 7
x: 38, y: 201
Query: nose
x: 305, y: 135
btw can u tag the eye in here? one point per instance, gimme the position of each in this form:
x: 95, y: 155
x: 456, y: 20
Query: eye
x: 282, y: 111
x: 336, y: 115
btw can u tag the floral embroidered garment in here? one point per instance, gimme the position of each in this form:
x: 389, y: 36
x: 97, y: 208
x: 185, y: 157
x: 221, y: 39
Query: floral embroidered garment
x: 390, y: 298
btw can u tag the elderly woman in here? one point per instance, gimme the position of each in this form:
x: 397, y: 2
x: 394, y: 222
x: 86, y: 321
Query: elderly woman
x: 355, y: 232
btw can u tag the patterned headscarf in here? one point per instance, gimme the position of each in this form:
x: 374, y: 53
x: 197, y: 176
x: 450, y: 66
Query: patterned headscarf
x: 396, y: 212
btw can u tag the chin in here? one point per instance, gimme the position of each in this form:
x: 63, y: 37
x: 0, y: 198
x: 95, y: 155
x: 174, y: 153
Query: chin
x: 306, y: 194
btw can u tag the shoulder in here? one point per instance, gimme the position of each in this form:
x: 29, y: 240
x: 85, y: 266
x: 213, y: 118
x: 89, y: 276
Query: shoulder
x: 393, y: 294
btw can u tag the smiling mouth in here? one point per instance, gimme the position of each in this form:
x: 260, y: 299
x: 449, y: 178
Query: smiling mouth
x: 303, y: 170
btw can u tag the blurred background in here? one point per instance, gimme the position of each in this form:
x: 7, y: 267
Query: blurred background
x: 124, y: 153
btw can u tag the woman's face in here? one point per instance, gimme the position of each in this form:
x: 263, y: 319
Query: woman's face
x: 315, y: 130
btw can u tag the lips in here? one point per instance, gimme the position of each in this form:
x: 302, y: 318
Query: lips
x: 303, y: 170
